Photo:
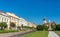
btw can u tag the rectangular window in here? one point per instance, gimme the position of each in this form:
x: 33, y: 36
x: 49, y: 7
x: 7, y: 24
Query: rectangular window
x: 2, y: 19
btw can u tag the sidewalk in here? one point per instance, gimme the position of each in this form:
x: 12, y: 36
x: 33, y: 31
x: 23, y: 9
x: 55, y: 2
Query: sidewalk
x: 52, y: 34
x: 13, y: 34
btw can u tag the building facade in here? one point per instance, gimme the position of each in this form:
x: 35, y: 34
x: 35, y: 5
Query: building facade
x: 31, y: 25
x: 5, y: 18
x: 10, y: 17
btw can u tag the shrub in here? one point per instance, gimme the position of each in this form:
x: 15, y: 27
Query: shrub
x: 40, y: 27
x: 45, y: 28
x: 53, y: 27
x: 3, y: 25
x: 58, y: 27
x: 7, y: 31
x: 12, y: 24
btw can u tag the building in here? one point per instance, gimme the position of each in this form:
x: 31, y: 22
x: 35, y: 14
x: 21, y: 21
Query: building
x: 13, y: 18
x: 5, y: 18
x: 23, y: 22
x: 31, y: 25
x: 10, y: 17
x: 48, y: 24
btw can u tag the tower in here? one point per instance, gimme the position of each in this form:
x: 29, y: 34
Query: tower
x: 50, y: 25
x: 44, y: 20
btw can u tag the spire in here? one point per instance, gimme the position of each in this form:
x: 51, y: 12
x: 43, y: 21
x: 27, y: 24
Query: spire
x: 44, y: 18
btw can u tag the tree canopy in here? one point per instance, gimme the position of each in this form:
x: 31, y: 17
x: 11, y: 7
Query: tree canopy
x: 12, y: 24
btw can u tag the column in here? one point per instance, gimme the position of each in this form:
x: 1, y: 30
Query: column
x: 16, y: 24
x: 16, y: 27
x: 8, y: 24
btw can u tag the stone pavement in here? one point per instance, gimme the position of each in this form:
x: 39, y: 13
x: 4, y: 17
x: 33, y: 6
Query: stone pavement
x: 14, y: 34
x: 52, y: 34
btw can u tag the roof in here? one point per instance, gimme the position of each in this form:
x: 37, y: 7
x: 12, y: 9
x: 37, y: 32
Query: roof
x: 11, y: 14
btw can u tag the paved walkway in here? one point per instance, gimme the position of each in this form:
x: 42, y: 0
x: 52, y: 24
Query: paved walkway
x: 15, y: 34
x: 52, y: 34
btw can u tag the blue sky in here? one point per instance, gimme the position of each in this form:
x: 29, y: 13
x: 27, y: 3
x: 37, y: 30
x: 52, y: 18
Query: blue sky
x: 33, y: 10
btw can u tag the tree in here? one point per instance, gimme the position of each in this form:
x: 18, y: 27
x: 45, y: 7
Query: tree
x: 58, y: 27
x: 40, y: 27
x: 3, y: 25
x: 22, y: 26
x: 45, y: 27
x: 53, y: 27
x: 12, y: 24
x: 19, y: 28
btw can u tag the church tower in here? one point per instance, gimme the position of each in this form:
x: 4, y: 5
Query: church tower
x: 44, y: 20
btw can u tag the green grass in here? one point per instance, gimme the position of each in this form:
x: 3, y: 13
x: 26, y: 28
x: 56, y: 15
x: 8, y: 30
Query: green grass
x: 8, y: 31
x: 37, y: 34
x: 57, y: 32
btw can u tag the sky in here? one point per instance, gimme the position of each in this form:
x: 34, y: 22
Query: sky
x: 33, y: 10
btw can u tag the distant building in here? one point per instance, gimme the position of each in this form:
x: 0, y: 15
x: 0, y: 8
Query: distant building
x: 44, y: 20
x: 48, y: 24
x: 31, y: 25
x: 23, y: 22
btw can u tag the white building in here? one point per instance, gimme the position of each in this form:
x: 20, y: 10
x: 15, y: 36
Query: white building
x: 22, y: 22
x: 13, y: 18
x: 31, y: 25
x: 10, y: 17
x: 5, y: 18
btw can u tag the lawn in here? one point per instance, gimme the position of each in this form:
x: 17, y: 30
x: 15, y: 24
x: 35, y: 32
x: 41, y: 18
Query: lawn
x: 58, y: 32
x: 37, y: 34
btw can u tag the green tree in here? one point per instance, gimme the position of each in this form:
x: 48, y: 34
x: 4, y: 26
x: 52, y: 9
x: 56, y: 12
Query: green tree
x: 53, y: 27
x: 40, y: 27
x: 58, y: 27
x: 19, y: 28
x: 12, y: 24
x: 22, y: 26
x: 45, y: 27
x: 3, y: 25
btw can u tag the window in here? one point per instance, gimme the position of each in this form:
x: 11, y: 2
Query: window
x: 2, y: 19
x: 5, y: 19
